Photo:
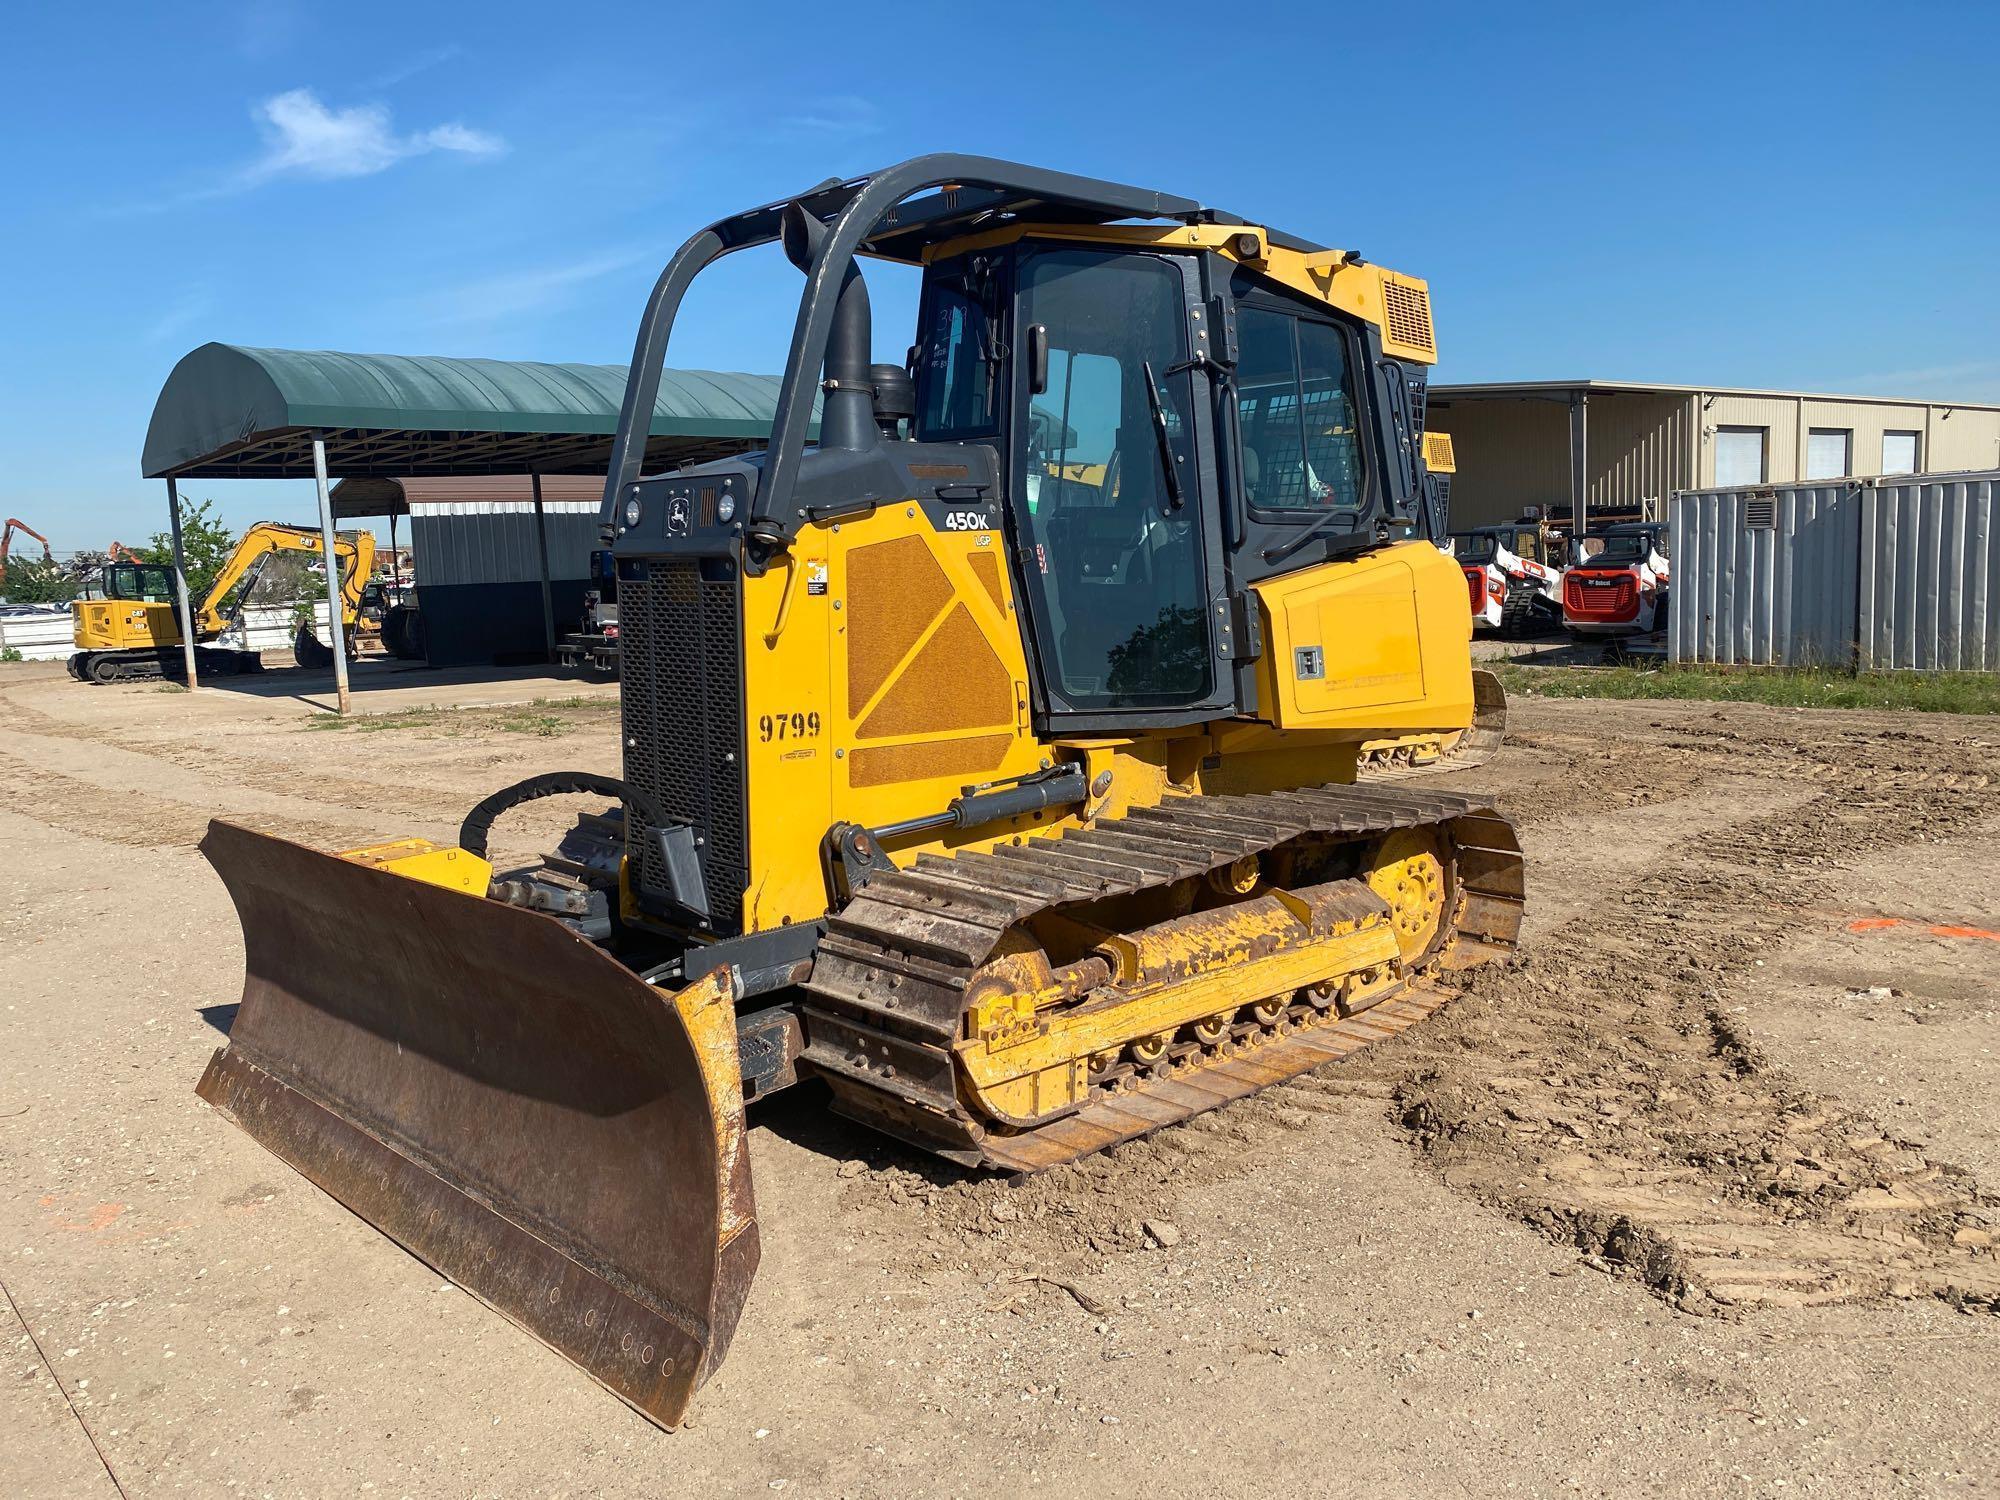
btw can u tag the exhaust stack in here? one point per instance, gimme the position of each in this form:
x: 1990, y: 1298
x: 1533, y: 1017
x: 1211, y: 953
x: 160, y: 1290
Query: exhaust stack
x: 847, y: 413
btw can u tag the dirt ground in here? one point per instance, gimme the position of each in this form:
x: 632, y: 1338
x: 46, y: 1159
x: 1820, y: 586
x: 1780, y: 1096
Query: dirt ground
x: 1698, y: 1199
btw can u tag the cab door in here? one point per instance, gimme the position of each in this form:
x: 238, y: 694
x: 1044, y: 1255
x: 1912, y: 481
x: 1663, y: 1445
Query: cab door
x: 1116, y: 530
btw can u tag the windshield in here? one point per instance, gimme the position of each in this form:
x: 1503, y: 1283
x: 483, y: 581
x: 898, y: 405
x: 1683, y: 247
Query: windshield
x: 1620, y: 549
x: 1474, y: 547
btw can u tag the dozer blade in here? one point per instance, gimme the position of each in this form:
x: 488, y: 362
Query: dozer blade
x: 503, y: 1099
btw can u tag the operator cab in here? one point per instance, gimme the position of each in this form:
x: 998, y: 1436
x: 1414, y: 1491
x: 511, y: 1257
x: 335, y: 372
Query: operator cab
x: 139, y: 583
x: 1146, y: 423
x: 1626, y: 545
x: 1476, y: 547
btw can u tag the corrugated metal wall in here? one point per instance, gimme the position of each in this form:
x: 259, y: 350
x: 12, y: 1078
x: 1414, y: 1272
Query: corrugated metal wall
x: 1515, y: 453
x: 1509, y: 454
x: 493, y: 541
x: 1638, y: 449
x: 1782, y: 594
x: 1930, y: 584
x: 1873, y: 573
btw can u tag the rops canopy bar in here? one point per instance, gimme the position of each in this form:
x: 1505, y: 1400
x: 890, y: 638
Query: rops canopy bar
x: 864, y: 215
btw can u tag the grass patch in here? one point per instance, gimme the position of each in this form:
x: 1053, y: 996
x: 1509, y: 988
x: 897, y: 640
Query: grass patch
x: 545, y: 718
x: 1919, y: 692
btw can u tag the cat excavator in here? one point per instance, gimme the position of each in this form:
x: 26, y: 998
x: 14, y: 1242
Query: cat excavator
x: 1029, y: 763
x: 132, y: 629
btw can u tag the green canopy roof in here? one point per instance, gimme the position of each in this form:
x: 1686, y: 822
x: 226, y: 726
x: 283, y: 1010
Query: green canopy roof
x: 231, y: 412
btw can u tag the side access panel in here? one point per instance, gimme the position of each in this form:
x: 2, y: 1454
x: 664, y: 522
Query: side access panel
x: 1377, y: 643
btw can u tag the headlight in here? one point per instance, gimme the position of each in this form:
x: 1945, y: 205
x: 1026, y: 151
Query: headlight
x: 633, y: 511
x: 725, y: 509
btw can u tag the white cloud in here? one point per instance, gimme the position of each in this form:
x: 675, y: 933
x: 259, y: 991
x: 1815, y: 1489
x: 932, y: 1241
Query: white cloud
x: 305, y: 138
x: 410, y: 67
x: 514, y: 293
x: 185, y: 311
x: 844, y: 115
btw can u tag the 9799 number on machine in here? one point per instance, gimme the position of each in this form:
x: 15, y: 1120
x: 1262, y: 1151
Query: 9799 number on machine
x: 793, y: 726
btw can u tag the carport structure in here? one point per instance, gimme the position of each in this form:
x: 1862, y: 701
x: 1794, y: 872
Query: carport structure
x: 230, y: 412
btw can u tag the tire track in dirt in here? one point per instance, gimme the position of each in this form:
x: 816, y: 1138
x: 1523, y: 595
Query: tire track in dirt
x: 1075, y: 1215
x: 231, y: 770
x: 140, y: 820
x: 1602, y: 1091
x: 1599, y: 1091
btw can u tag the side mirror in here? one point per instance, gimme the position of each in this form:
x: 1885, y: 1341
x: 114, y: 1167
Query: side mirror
x: 1038, y: 358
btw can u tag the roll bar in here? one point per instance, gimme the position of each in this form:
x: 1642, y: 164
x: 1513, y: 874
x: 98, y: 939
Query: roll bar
x: 861, y: 211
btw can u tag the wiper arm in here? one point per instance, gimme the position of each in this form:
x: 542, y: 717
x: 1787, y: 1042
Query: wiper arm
x: 1160, y: 434
x: 1318, y: 528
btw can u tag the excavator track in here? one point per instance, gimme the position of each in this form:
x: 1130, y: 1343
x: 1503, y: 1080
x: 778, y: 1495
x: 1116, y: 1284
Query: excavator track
x: 888, y: 999
x: 1427, y: 755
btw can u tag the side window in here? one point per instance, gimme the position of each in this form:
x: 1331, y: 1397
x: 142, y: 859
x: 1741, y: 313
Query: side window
x: 956, y: 364
x: 1267, y: 403
x: 1296, y: 408
x: 1333, y: 439
x: 1113, y: 567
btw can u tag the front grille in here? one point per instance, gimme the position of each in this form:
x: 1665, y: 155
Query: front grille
x: 681, y: 678
x: 1601, y: 598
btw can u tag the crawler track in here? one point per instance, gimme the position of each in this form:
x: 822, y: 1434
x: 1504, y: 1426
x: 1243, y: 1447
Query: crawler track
x: 888, y: 989
x: 1402, y: 759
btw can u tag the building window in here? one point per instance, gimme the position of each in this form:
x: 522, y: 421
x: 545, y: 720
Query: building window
x: 1739, y: 456
x: 1829, y: 452
x: 1899, y: 453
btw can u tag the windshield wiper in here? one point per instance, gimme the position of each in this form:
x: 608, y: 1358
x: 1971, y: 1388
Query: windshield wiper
x: 1160, y: 434
x: 1318, y: 528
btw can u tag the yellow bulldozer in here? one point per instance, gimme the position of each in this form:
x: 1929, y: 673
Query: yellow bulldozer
x: 133, y: 630
x: 1028, y: 764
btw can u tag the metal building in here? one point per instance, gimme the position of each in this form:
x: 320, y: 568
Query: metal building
x: 1574, y: 447
x: 1870, y: 573
x: 477, y: 547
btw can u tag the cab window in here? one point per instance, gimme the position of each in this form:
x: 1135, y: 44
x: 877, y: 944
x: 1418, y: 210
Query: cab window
x: 1297, y: 412
x: 140, y: 583
x: 957, y: 360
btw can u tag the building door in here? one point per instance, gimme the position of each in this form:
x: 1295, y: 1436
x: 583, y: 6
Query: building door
x: 1739, y: 456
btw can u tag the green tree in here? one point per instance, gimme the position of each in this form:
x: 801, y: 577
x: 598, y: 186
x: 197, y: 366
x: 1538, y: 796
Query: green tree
x: 206, y: 541
x: 32, y: 581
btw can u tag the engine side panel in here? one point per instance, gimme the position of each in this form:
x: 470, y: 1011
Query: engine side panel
x: 898, y: 678
x: 1378, y: 643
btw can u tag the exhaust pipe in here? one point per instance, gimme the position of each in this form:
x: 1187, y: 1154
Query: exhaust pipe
x: 847, y: 413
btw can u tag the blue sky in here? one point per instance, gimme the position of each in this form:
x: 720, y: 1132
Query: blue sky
x: 1791, y: 196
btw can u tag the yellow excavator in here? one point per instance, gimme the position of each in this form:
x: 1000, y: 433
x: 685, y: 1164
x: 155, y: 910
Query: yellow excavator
x: 1026, y: 765
x: 133, y: 631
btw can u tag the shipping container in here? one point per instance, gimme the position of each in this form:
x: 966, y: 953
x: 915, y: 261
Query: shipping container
x: 1870, y: 573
